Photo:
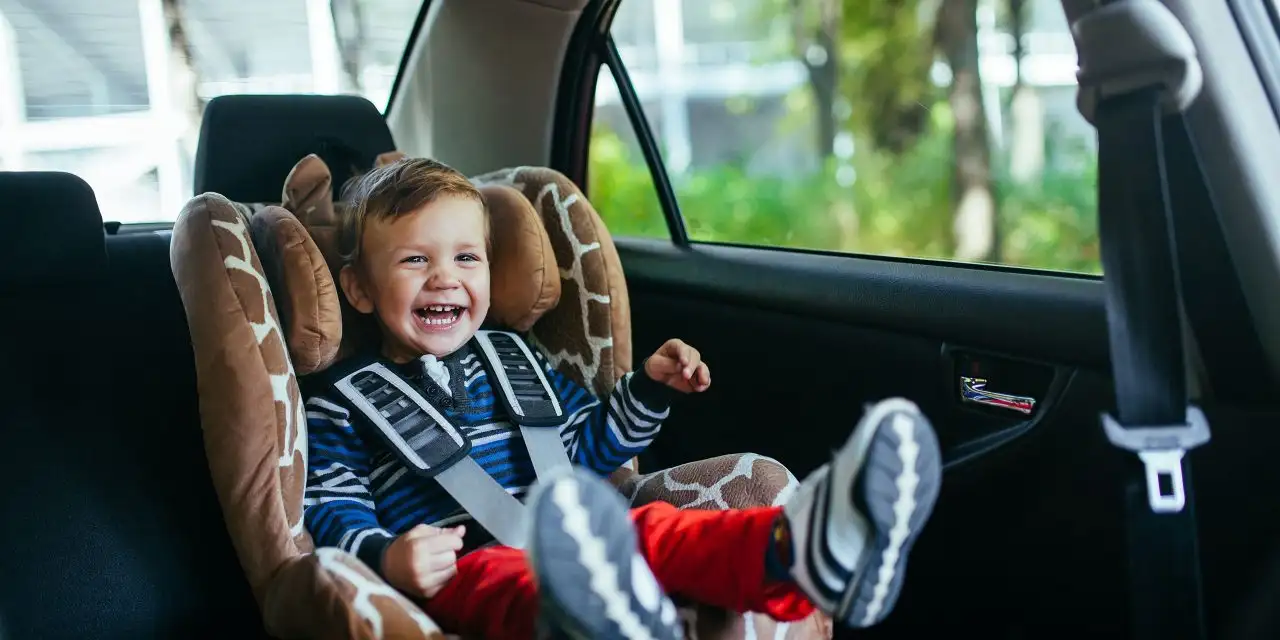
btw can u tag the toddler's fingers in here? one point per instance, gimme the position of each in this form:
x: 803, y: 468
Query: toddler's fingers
x: 704, y: 375
x: 432, y: 583
x: 691, y: 361
x: 663, y: 364
x: 421, y: 531
x: 433, y: 562
x: 687, y: 353
x: 447, y: 541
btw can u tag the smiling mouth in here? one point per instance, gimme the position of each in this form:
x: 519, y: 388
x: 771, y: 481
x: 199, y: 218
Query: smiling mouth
x: 439, y: 316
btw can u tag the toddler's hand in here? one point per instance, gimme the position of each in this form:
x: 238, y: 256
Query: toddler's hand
x: 421, y: 560
x: 678, y: 366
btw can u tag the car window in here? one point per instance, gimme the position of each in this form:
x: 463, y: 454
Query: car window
x: 112, y: 90
x: 943, y: 130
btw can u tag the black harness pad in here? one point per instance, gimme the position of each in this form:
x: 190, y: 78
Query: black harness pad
x: 518, y: 380
x: 419, y: 435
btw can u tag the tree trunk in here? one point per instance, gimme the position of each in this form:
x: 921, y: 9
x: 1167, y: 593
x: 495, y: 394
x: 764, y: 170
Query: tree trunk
x: 824, y: 80
x: 974, y: 221
x: 1026, y: 149
x: 349, y: 32
x: 818, y: 48
x: 184, y: 82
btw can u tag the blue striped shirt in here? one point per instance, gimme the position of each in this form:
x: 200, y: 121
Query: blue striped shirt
x: 359, y: 496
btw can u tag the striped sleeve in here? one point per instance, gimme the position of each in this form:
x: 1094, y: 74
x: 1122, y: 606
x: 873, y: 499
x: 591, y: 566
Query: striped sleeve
x: 338, y: 506
x: 603, y: 435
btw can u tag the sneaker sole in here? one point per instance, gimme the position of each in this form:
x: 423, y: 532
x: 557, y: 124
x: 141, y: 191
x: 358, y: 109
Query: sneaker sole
x: 896, y: 489
x: 591, y: 579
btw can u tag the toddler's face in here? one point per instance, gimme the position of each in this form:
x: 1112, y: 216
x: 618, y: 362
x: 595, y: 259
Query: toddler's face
x: 426, y: 277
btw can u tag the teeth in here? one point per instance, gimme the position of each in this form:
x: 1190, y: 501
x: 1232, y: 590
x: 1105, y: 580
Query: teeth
x: 426, y: 314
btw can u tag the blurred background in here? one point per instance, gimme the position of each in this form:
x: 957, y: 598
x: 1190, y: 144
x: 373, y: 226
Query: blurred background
x: 919, y: 128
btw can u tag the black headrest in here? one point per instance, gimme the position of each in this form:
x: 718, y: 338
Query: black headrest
x: 50, y: 231
x: 248, y: 144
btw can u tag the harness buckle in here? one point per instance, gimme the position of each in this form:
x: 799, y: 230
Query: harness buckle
x: 1161, y: 450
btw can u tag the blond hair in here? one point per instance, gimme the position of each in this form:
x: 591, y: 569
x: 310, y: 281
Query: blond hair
x: 394, y: 190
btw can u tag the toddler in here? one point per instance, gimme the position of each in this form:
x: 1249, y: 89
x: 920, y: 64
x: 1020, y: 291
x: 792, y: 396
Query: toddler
x: 414, y: 241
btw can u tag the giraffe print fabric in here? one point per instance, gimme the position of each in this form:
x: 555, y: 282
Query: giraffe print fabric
x: 255, y: 435
x: 727, y: 482
x: 587, y: 336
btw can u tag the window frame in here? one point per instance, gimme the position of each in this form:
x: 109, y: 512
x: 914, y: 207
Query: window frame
x: 648, y: 144
x: 1254, y: 18
x: 591, y: 47
x: 410, y: 46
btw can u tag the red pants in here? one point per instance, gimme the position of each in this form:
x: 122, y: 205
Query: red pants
x: 713, y: 557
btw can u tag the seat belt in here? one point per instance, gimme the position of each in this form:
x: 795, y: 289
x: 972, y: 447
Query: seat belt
x: 1153, y: 416
x: 1137, y: 63
x: 423, y: 439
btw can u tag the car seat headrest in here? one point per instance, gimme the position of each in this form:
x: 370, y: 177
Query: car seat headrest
x: 248, y: 143
x: 525, y: 278
x: 304, y: 292
x: 53, y: 234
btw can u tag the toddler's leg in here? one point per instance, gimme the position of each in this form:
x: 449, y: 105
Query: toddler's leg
x: 720, y: 557
x: 592, y: 581
x: 854, y: 519
x: 492, y: 596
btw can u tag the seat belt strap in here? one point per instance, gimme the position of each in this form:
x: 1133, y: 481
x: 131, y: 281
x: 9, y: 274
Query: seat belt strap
x: 1137, y: 62
x: 426, y: 442
x: 527, y: 394
x: 1154, y: 419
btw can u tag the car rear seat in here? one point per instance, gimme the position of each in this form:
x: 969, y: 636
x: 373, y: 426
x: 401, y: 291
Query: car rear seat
x: 110, y: 527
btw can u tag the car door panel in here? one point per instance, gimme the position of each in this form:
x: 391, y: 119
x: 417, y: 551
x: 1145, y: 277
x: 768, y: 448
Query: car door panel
x: 797, y: 343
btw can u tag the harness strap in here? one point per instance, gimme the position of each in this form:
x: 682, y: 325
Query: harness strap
x: 423, y: 439
x: 530, y: 400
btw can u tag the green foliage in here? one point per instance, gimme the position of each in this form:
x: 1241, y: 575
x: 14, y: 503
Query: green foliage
x: 621, y: 187
x: 899, y: 204
x: 886, y: 55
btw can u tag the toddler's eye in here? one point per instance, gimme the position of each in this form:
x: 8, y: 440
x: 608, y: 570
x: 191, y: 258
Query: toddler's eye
x: 468, y: 257
x: 415, y: 260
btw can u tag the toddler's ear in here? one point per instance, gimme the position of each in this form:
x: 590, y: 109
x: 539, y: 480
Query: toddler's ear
x: 354, y: 289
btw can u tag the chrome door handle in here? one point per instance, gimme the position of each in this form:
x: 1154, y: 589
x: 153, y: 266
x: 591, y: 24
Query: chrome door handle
x: 975, y: 390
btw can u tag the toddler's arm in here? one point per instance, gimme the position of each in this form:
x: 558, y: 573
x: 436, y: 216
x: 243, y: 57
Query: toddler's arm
x: 339, y: 510
x: 603, y: 435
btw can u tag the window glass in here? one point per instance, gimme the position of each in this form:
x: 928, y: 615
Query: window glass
x: 112, y: 90
x: 901, y: 129
x: 618, y: 181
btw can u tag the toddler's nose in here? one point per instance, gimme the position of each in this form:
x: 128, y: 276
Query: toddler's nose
x: 443, y: 278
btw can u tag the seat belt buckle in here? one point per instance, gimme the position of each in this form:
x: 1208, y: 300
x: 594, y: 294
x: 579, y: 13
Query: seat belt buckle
x: 1161, y: 450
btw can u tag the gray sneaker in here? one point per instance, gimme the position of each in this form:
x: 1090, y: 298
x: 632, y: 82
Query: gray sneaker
x: 592, y: 581
x: 854, y: 519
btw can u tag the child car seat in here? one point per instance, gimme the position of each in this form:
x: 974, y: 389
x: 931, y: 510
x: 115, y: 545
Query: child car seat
x: 257, y: 283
